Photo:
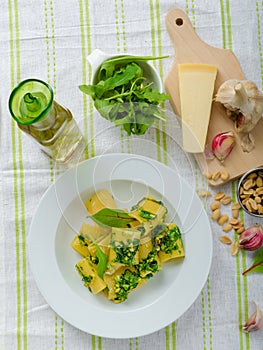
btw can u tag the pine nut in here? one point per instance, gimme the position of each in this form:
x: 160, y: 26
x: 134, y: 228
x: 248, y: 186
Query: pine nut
x: 216, y: 175
x: 225, y: 200
x: 235, y: 213
x: 223, y: 219
x: 203, y: 193
x: 225, y: 239
x: 234, y: 248
x: 219, y: 195
x: 227, y: 227
x: 208, y: 175
x: 233, y: 221
x: 216, y: 214
x: 224, y: 175
x: 236, y: 205
x: 215, y: 205
x: 240, y: 230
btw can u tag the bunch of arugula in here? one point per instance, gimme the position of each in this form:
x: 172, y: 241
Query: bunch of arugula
x: 123, y: 95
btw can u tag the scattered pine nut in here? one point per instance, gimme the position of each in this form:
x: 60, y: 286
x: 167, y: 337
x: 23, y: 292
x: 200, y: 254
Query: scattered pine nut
x: 203, y: 193
x: 208, y: 175
x: 233, y: 221
x: 224, y: 175
x: 215, y: 205
x: 225, y: 200
x: 227, y: 227
x: 216, y: 175
x: 234, y: 248
x: 219, y: 195
x: 223, y: 219
x: 225, y: 239
x: 235, y: 213
x: 240, y: 230
x: 216, y: 214
x: 236, y: 205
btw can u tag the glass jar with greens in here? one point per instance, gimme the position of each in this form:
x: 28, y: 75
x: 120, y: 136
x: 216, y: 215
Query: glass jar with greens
x: 32, y: 106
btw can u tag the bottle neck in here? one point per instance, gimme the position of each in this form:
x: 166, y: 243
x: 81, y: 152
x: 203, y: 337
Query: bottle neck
x: 32, y: 103
x: 33, y: 106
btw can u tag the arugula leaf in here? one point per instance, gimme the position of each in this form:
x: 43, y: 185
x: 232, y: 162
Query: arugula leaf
x: 108, y: 67
x: 103, y: 261
x: 124, y: 96
x: 112, y: 218
x: 257, y: 265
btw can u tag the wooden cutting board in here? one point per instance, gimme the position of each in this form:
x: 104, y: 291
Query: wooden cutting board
x: 189, y: 48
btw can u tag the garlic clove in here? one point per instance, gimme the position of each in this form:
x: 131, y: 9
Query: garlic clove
x: 208, y: 153
x: 255, y: 321
x: 223, y: 144
x: 251, y: 238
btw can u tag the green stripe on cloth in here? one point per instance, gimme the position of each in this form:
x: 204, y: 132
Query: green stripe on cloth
x: 243, y: 255
x: 240, y: 258
x: 15, y: 185
x: 84, y: 73
x: 160, y: 53
x: 91, y: 108
x: 123, y: 30
x: 51, y: 61
x: 88, y: 127
x: 21, y: 267
x: 56, y: 332
x: 174, y: 336
x: 209, y: 313
x: 161, y: 149
x: 119, y: 50
x: 190, y: 10
x: 154, y: 53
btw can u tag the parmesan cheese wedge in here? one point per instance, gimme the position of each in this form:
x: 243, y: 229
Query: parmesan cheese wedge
x: 196, y: 87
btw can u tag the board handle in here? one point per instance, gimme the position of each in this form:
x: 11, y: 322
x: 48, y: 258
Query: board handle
x: 182, y: 33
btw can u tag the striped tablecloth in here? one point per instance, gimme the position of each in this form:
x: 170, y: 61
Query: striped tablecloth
x: 50, y: 40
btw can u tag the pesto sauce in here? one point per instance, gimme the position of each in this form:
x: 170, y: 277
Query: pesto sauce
x: 85, y: 279
x: 146, y: 214
x: 167, y: 240
x: 125, y: 252
x: 82, y: 240
x: 149, y: 264
x: 124, y: 284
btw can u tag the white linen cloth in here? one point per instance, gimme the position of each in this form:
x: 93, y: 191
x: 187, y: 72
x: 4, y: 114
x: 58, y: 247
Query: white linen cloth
x: 50, y: 40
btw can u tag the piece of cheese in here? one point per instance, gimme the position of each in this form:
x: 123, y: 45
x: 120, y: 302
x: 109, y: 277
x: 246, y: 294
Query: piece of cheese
x: 196, y: 87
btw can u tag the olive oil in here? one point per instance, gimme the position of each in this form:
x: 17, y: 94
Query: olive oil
x: 51, y: 125
x: 57, y: 134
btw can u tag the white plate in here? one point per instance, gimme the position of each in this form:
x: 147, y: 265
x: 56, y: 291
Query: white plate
x: 59, y: 216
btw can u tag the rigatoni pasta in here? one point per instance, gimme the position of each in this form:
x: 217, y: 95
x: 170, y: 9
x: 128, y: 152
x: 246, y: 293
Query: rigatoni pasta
x: 118, y: 260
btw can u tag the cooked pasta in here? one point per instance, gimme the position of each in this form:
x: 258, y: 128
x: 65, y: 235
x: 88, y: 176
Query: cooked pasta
x: 118, y: 260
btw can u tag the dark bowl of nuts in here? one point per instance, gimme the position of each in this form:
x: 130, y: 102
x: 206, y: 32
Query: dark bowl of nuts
x: 250, y: 192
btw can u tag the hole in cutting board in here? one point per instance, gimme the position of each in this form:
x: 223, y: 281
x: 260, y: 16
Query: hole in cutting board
x: 179, y: 21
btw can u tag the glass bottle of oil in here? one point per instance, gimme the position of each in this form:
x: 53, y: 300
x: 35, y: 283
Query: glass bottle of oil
x: 33, y: 107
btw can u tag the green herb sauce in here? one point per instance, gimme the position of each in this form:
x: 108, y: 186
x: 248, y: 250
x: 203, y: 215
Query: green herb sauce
x: 125, y: 251
x: 167, y: 240
x: 125, y: 283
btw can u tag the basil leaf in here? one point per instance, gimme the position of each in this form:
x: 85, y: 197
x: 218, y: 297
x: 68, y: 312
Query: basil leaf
x: 103, y: 261
x: 112, y: 218
x: 257, y: 265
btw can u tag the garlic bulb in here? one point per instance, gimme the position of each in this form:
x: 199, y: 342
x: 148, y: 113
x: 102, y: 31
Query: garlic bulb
x: 244, y: 103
